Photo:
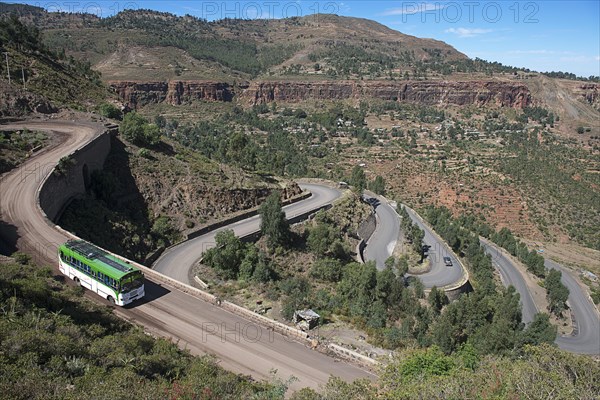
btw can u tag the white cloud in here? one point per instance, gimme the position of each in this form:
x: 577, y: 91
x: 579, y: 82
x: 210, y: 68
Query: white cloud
x: 532, y: 52
x: 468, y: 32
x: 412, y: 8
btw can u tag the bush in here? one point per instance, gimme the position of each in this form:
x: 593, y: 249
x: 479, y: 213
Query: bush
x: 327, y: 269
x: 556, y: 293
x: 137, y: 130
x: 300, y: 113
x: 21, y: 258
x: 110, y: 111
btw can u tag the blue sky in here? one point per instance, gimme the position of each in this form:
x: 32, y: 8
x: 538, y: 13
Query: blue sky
x: 540, y: 35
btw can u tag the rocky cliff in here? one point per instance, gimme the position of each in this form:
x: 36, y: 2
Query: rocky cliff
x: 136, y: 94
x: 590, y: 92
x: 19, y: 102
x: 480, y: 93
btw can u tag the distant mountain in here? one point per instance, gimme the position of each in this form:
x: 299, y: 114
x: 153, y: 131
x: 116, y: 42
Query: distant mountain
x: 151, y: 57
x: 146, y: 44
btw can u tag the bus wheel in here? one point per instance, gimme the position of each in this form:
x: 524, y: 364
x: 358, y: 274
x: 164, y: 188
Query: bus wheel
x: 76, y: 280
x: 111, y: 300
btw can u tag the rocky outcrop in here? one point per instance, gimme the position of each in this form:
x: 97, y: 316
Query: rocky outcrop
x: 135, y: 94
x: 18, y: 102
x: 590, y: 92
x: 180, y: 92
x: 479, y: 93
x: 460, y: 93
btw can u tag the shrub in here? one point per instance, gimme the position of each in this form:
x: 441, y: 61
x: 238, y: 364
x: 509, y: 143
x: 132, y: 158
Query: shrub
x: 110, y: 111
x: 137, y: 130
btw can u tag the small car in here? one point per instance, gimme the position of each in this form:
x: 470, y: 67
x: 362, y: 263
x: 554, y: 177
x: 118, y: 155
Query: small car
x: 447, y: 261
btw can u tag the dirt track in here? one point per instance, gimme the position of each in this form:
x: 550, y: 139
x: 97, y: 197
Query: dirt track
x: 200, y: 327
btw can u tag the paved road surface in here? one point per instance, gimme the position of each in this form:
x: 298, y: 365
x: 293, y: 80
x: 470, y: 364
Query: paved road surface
x: 200, y: 327
x: 178, y: 261
x: 381, y: 245
x: 586, y: 336
x: 511, y: 276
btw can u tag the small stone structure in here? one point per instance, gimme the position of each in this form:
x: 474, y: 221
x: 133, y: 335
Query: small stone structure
x: 306, y: 319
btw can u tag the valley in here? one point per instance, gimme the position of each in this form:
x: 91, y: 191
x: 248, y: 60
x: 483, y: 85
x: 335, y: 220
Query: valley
x: 438, y: 212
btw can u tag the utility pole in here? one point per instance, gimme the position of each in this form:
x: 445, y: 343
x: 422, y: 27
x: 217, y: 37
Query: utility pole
x: 23, y: 76
x: 7, y: 66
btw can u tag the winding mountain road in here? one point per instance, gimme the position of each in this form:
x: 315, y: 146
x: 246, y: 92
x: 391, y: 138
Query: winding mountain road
x: 177, y: 261
x: 586, y: 334
x: 241, y: 346
x: 510, y: 275
x: 381, y: 245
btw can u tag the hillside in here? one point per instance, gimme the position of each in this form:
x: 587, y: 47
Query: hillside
x: 58, y: 345
x: 186, y: 69
x: 239, y: 49
x: 145, y: 199
x: 43, y: 79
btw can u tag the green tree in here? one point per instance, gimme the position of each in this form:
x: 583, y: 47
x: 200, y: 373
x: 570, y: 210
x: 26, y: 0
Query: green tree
x: 228, y: 254
x: 437, y: 299
x: 378, y: 185
x: 137, y: 130
x: 263, y: 272
x: 132, y: 127
x: 556, y: 293
x: 539, y: 331
x: 151, y: 135
x: 249, y: 263
x: 418, y: 235
x: 402, y: 265
x: 273, y: 223
x: 323, y: 239
x: 110, y: 111
x: 358, y: 179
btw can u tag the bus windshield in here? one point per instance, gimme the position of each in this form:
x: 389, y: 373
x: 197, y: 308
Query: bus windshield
x: 132, y: 281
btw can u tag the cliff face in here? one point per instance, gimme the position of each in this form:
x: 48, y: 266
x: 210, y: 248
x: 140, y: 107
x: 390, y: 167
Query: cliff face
x: 480, y: 93
x: 136, y: 94
x: 19, y: 102
x: 591, y: 94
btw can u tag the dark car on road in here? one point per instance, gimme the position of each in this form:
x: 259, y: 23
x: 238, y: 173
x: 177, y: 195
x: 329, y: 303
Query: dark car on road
x: 447, y: 261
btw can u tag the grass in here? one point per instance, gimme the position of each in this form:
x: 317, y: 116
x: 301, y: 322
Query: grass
x: 16, y: 146
x: 56, y: 344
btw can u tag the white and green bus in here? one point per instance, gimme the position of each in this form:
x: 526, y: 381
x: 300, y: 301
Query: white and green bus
x: 102, y: 273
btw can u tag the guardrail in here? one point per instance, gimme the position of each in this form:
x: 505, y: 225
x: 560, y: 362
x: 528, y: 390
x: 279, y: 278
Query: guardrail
x: 465, y: 272
x: 352, y: 355
x: 159, y: 278
x: 208, y: 297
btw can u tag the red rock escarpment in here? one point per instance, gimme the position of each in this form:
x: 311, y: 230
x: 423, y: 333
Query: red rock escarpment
x: 480, y: 93
x: 136, y: 93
